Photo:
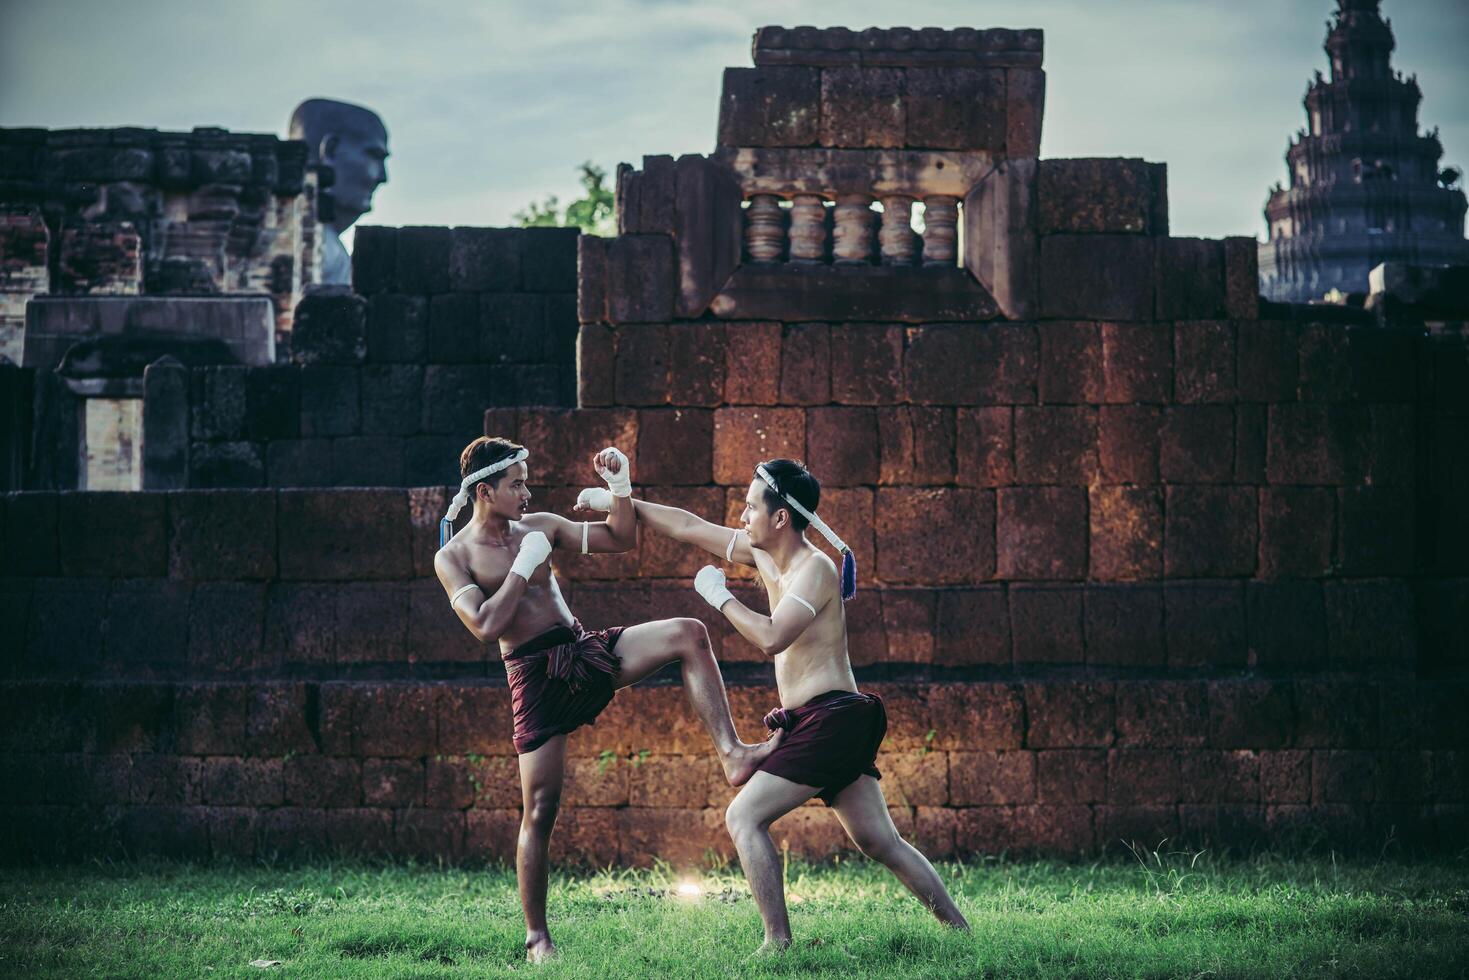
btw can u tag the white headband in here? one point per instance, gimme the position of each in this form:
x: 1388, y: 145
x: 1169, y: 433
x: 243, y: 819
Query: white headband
x: 446, y: 525
x: 849, y: 564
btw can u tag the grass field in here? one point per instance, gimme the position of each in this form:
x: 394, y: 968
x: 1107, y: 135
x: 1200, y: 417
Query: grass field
x: 1163, y: 915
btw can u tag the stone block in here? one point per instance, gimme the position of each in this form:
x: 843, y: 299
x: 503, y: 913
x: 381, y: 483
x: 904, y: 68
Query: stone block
x: 746, y: 436
x: 675, y: 446
x: 31, y: 535
x: 548, y: 259
x: 423, y: 259
x: 591, y: 276
x: 1056, y: 445
x: 1205, y: 624
x: 232, y: 781
x: 1025, y: 99
x: 956, y: 108
x: 219, y: 535
x: 1267, y: 356
x: 596, y: 365
x: 1126, y: 532
x: 563, y: 441
x: 1370, y: 623
x: 1214, y: 776
x: 330, y: 400
x: 1124, y: 625
x: 1297, y: 530
x: 454, y: 330
x: 1249, y: 444
x: 985, y: 450
x: 394, y: 720
x: 696, y: 364
x: 642, y: 364
x: 1197, y: 444
x: 486, y: 259
x: 300, y: 626
x: 972, y: 364
x: 1209, y: 531
x: 917, y: 445
x: 1204, y: 359
x: 500, y: 328
x: 842, y: 445
x: 1241, y: 278
x: 226, y: 464
x: 862, y: 107
x: 372, y: 622
x: 972, y: 626
x: 56, y: 640
x: 908, y: 624
x: 165, y: 426
x: 374, y: 259
x: 1287, y: 625
x: 640, y: 279
x: 935, y: 536
x: 1124, y: 830
x: 1250, y: 714
x: 455, y: 396
x: 1041, y: 533
x: 158, y: 780
x: 1069, y: 714
x: 273, y: 402
x: 107, y: 534
x: 1285, y: 776
x: 1191, y: 278
x: 314, y: 780
x: 1162, y: 713
x: 343, y: 535
x: 1097, y: 195
x: 770, y: 107
x: 330, y: 327
x: 1128, y: 442
x: 992, y: 778
x: 912, y: 779
x: 147, y: 624
x: 226, y: 625
x: 662, y: 557
x: 1376, y: 531
x: 392, y: 398
x: 866, y: 363
x: 210, y: 719
x: 1046, y: 624
x: 753, y: 363
x: 1137, y: 362
x: 1071, y: 362
x: 965, y: 716
x: 300, y: 463
x: 474, y: 720
x: 805, y: 364
x: 1143, y: 777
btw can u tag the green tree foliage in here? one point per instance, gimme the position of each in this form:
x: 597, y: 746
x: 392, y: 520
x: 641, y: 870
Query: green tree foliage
x: 592, y: 213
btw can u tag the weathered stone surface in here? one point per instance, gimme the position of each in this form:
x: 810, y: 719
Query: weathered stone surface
x: 1250, y: 714
x: 917, y: 445
x: 1097, y: 195
x: 1056, y: 445
x: 1124, y: 625
x: 862, y: 107
x: 985, y: 451
x: 770, y: 107
x: 330, y: 328
x: 1041, y: 533
x: 221, y: 535
x: 972, y: 626
x: 1205, y: 624
x: 1297, y: 531
x: 935, y: 536
x: 1287, y: 625
x: 805, y: 364
x: 1097, y: 277
x: 1267, y: 356
x: 842, y: 445
x: 956, y: 108
x: 1127, y: 442
x: 1071, y: 362
x: 1126, y: 532
x: 978, y: 364
x: 1196, y: 444
x: 1191, y: 278
x: 1137, y: 362
x: 1070, y: 714
x: 640, y: 279
x: 423, y: 259
x: 1209, y: 531
x: 103, y: 534
x: 746, y: 436
x: 1046, y: 624
x: 866, y: 363
x: 342, y: 535
x: 485, y: 259
x: 1162, y: 714
x: 1204, y: 361
x: 990, y: 778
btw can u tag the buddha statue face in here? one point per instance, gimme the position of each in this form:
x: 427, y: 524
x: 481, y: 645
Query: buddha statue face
x: 354, y: 143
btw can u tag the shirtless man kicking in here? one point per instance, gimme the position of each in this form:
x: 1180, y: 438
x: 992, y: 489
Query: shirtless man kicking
x: 831, y: 730
x: 561, y: 675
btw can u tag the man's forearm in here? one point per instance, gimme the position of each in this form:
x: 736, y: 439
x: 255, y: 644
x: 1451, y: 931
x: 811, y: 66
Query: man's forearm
x: 497, y: 612
x: 754, y: 627
x: 622, y: 522
x: 669, y: 521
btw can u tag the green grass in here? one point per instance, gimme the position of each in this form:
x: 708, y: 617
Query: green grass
x: 1164, y: 915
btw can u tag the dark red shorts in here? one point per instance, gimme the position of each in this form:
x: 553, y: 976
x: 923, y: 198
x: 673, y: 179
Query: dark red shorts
x: 829, y: 741
x: 560, y: 681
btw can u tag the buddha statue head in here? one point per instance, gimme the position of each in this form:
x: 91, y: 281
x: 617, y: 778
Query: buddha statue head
x: 353, y: 142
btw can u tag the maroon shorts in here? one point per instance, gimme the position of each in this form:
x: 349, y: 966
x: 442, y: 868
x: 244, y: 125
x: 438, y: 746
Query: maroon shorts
x: 559, y: 681
x: 829, y: 741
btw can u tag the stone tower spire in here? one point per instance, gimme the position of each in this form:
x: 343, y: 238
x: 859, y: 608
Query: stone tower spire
x: 1364, y: 184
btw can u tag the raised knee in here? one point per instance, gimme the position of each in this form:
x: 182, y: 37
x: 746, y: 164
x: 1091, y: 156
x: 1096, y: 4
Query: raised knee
x: 693, y: 634
x: 879, y: 847
x: 738, y: 822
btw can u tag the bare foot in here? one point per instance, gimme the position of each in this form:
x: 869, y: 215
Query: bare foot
x: 772, y: 947
x: 740, y: 764
x: 539, y: 949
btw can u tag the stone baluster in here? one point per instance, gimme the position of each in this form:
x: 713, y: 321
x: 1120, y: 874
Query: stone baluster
x: 896, y: 237
x: 808, y: 229
x: 764, y: 228
x: 940, y: 230
x: 852, y: 238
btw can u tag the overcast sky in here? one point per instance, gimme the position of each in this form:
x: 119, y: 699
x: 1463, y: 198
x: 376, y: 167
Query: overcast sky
x: 490, y: 105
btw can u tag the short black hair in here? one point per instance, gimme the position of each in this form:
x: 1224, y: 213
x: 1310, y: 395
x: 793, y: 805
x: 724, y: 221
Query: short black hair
x: 796, y: 482
x: 486, y: 451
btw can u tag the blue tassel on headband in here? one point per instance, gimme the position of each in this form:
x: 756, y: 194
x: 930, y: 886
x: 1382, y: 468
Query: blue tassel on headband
x: 849, y: 575
x: 446, y: 530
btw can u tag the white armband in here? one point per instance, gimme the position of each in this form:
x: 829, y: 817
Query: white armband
x: 460, y: 591
x: 792, y: 595
x: 729, y: 548
x: 583, y: 537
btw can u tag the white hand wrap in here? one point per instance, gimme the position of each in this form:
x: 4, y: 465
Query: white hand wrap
x: 595, y: 498
x: 620, y: 483
x: 534, y: 548
x: 709, y: 583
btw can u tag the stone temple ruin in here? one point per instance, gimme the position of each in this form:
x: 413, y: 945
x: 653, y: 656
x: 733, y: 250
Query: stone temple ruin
x: 1144, y: 556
